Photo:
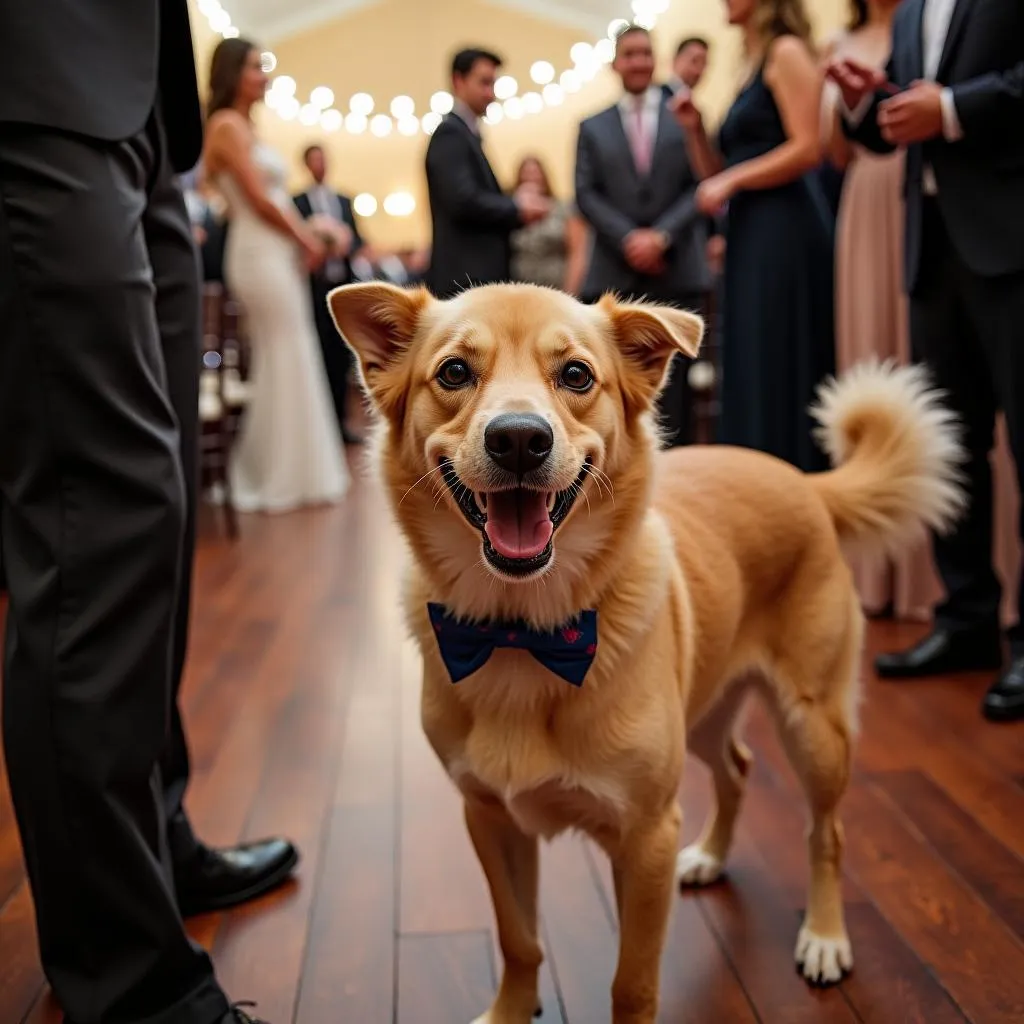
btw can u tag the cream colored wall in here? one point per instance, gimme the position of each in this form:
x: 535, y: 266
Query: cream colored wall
x: 403, y: 46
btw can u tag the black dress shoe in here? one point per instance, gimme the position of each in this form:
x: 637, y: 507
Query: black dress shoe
x: 1004, y: 701
x: 217, y: 879
x: 943, y: 651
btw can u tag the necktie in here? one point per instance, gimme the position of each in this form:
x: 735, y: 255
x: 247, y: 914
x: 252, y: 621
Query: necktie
x: 466, y: 647
x: 640, y: 143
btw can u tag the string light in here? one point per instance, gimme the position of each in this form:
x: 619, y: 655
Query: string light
x: 587, y: 60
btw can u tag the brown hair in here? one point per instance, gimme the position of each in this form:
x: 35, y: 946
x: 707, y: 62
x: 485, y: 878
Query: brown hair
x: 775, y: 18
x: 226, y: 67
x: 531, y: 159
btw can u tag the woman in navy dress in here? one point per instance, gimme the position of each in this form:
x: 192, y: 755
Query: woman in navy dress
x: 777, y: 338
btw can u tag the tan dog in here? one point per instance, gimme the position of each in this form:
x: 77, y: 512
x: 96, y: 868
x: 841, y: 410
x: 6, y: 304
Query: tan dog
x: 517, y: 450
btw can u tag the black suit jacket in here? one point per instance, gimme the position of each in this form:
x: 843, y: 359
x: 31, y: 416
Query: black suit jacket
x: 472, y: 218
x: 981, y: 177
x: 97, y: 68
x: 305, y: 207
x: 615, y: 200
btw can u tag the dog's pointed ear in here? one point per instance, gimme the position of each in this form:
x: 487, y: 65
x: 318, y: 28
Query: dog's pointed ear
x: 378, y: 321
x: 648, y: 336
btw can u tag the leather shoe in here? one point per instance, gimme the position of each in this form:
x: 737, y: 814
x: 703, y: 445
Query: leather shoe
x: 1004, y: 701
x: 943, y: 651
x: 218, y: 879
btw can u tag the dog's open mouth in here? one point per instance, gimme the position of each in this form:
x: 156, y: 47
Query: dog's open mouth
x: 517, y: 523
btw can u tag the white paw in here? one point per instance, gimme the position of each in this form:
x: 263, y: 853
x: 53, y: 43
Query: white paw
x: 823, y: 961
x: 695, y: 866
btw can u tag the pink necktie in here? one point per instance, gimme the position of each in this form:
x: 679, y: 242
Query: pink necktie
x: 641, y: 148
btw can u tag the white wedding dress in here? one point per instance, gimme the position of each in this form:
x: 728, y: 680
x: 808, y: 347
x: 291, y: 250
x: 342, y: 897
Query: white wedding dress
x: 289, y: 452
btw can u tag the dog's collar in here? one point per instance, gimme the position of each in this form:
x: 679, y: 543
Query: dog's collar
x: 466, y: 646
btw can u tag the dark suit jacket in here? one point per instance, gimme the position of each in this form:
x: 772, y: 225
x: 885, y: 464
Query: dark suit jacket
x: 304, y: 207
x: 980, y: 178
x: 96, y: 69
x: 615, y: 200
x: 471, y: 216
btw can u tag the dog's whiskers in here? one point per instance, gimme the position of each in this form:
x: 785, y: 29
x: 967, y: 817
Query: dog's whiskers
x: 430, y: 472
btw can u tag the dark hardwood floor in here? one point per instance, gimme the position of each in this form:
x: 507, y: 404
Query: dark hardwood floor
x: 301, y: 706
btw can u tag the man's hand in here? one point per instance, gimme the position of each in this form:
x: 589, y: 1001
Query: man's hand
x: 914, y: 115
x: 855, y: 80
x: 644, y: 249
x: 532, y: 205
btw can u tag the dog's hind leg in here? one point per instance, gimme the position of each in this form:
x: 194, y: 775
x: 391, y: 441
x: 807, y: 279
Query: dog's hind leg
x: 510, y: 861
x: 714, y: 742
x: 817, y: 733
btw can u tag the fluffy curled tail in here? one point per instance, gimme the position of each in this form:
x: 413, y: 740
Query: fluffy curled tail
x: 897, y: 454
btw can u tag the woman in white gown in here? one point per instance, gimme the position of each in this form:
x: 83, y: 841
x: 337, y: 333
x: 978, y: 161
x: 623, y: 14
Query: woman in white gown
x: 289, y: 452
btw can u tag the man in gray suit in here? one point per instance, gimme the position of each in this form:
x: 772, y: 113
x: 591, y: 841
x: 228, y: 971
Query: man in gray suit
x: 635, y: 187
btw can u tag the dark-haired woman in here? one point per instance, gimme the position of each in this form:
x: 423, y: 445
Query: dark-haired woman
x: 289, y: 453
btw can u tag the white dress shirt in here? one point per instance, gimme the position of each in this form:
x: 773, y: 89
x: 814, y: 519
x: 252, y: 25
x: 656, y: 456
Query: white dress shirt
x: 935, y: 20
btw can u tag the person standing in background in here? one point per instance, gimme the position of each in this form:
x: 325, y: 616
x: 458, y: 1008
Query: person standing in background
x: 472, y: 218
x: 688, y: 65
x: 777, y: 338
x: 99, y: 368
x: 551, y: 252
x: 951, y: 96
x: 635, y: 187
x: 321, y: 204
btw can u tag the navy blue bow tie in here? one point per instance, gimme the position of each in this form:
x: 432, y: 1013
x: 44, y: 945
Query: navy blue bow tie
x: 466, y: 646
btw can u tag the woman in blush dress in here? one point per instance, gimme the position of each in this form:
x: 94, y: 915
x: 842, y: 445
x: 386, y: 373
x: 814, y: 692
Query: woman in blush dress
x: 777, y: 331
x: 872, y: 321
x: 290, y: 451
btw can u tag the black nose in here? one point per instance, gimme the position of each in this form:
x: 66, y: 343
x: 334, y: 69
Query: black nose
x: 519, y: 441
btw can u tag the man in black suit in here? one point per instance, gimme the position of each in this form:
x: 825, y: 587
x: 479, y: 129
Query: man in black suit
x: 952, y: 95
x: 471, y: 216
x: 635, y: 187
x: 99, y: 358
x: 320, y: 199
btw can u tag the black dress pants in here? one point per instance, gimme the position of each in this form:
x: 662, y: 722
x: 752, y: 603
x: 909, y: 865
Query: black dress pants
x: 969, y: 330
x: 338, y: 359
x: 99, y: 338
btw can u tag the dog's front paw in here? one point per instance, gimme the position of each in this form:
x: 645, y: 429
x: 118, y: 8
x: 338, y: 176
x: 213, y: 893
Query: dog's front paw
x: 695, y: 866
x: 823, y: 961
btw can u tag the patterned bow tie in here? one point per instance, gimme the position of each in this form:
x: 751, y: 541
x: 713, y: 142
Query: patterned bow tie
x: 465, y: 647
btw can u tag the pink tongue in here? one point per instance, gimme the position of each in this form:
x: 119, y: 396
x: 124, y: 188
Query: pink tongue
x: 518, y: 524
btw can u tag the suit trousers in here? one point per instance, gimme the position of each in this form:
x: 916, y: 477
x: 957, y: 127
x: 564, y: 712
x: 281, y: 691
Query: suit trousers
x: 99, y: 301
x: 338, y: 359
x: 969, y: 331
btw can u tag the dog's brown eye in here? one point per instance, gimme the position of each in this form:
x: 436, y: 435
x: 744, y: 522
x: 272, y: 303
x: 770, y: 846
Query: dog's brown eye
x: 577, y: 376
x: 454, y: 373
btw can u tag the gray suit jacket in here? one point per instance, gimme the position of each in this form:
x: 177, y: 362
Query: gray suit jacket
x: 615, y: 199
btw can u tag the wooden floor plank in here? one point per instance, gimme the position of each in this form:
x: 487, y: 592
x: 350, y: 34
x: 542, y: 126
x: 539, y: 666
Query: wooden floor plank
x: 947, y: 924
x: 301, y: 701
x: 443, y: 979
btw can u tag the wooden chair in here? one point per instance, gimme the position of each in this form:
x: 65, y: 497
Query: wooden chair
x: 222, y: 396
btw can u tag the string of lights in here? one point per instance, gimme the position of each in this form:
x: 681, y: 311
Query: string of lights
x: 549, y: 88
